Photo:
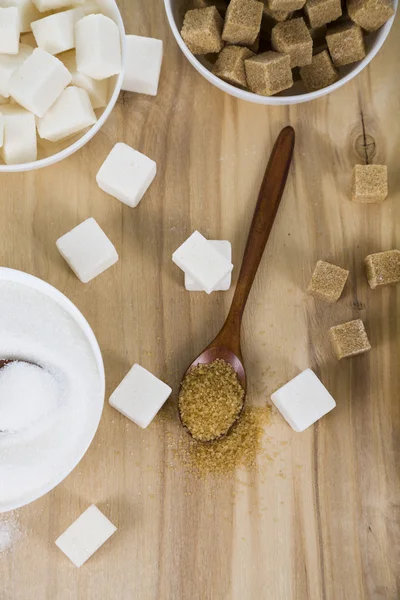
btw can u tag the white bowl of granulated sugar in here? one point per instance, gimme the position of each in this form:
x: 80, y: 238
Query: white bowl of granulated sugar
x: 52, y: 397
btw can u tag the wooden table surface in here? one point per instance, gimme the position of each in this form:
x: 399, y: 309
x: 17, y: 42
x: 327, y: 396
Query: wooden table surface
x: 320, y: 520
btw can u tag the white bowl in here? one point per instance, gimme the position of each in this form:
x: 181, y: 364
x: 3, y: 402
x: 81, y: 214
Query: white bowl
x: 175, y: 12
x: 49, y: 153
x: 95, y: 409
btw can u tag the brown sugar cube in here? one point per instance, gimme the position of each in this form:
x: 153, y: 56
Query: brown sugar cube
x: 327, y: 282
x: 349, y: 339
x: 320, y: 73
x: 320, y: 12
x: 202, y: 3
x: 370, y: 14
x: 268, y: 73
x: 278, y: 16
x: 288, y: 5
x: 369, y: 184
x: 220, y: 5
x: 242, y: 22
x: 383, y: 268
x: 230, y: 65
x: 294, y: 39
x: 202, y: 29
x: 346, y: 44
x: 254, y: 47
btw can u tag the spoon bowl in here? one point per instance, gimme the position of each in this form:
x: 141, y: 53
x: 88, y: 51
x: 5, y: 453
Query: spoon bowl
x: 226, y: 346
x: 7, y: 361
x: 214, y: 352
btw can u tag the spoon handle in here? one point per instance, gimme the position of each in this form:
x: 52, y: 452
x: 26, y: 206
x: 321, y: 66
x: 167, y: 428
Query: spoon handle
x: 264, y: 216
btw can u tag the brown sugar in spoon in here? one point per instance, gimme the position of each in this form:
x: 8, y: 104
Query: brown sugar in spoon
x: 226, y: 346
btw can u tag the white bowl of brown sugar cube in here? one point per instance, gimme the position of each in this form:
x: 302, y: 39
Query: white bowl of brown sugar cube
x: 61, y: 71
x: 280, y: 51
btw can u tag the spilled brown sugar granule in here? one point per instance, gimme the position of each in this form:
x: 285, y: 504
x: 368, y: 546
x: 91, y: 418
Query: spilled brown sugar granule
x: 239, y: 449
x: 210, y: 400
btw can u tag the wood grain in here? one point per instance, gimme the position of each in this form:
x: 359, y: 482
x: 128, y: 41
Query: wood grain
x: 320, y: 521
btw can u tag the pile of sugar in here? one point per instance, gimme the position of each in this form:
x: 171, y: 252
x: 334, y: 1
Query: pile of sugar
x: 10, y: 532
x: 240, y: 449
x: 28, y: 394
x: 39, y: 452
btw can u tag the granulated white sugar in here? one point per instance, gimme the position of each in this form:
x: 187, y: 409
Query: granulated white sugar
x: 28, y: 394
x: 38, y: 445
x: 10, y: 532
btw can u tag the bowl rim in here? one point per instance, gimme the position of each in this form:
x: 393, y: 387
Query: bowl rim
x: 277, y: 100
x: 82, y: 141
x: 16, y: 276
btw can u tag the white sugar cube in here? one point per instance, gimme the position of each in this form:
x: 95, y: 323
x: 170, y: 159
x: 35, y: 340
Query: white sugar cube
x: 39, y: 81
x: 89, y: 7
x: 126, y: 174
x: 27, y: 12
x: 97, y: 90
x: 9, y: 30
x: 85, y: 536
x: 98, y: 47
x: 56, y: 33
x: 303, y: 400
x: 87, y: 250
x: 9, y: 63
x: 202, y: 262
x: 1, y: 129
x: 225, y: 248
x: 140, y: 396
x: 44, y: 5
x: 71, y: 113
x: 142, y: 64
x: 19, y: 144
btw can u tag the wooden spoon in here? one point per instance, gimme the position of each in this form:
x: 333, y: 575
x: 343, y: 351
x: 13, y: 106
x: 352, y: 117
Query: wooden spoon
x: 226, y: 345
x: 5, y: 362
